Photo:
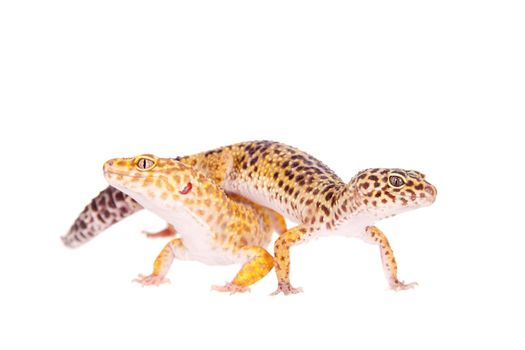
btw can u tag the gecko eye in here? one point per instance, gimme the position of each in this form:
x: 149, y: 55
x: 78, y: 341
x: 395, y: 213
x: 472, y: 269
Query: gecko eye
x: 396, y: 181
x: 144, y: 163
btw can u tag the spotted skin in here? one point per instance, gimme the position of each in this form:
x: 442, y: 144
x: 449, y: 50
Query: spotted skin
x: 214, y: 228
x: 309, y: 193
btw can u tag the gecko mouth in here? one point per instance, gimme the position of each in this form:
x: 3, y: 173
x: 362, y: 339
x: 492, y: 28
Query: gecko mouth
x: 113, y: 172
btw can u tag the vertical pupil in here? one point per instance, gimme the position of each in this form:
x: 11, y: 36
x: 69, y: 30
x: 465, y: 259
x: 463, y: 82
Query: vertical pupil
x: 396, y: 181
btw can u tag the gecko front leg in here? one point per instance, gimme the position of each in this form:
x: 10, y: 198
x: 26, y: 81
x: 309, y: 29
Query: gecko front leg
x: 174, y: 249
x: 376, y: 236
x: 282, y: 258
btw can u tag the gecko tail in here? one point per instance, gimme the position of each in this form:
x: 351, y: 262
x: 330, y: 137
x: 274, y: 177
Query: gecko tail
x: 106, y: 209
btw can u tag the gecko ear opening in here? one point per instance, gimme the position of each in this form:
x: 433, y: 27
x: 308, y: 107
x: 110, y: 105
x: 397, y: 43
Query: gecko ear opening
x: 186, y: 189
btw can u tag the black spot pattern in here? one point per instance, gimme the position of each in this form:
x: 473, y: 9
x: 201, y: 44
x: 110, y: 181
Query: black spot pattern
x: 109, y: 207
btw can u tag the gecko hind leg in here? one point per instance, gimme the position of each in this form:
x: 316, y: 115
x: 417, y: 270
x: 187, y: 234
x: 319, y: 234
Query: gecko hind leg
x: 174, y: 249
x: 169, y: 231
x: 278, y: 221
x: 258, y: 263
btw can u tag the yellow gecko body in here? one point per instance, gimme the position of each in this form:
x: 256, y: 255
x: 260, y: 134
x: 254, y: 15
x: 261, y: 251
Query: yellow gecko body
x: 304, y: 189
x: 214, y: 228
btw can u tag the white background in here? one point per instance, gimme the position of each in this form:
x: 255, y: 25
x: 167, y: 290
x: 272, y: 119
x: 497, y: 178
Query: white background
x: 433, y: 86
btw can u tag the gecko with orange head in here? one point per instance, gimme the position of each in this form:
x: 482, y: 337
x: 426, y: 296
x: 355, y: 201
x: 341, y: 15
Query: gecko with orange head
x: 214, y: 228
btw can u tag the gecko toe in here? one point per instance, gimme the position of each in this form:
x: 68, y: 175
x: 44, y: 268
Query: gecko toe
x: 400, y: 285
x: 287, y: 289
x: 151, y: 280
x: 231, y: 287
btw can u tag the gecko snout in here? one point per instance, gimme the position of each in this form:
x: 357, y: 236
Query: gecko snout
x: 109, y: 165
x: 432, y: 191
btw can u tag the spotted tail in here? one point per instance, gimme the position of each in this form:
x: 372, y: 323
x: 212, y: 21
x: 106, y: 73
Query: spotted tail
x: 106, y: 209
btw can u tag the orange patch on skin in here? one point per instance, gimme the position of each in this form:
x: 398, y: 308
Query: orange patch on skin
x: 198, y: 191
x: 164, y: 196
x: 148, y: 181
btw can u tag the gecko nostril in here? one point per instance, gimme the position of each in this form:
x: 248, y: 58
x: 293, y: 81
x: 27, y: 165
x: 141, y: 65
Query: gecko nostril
x: 431, y: 190
x: 110, y: 163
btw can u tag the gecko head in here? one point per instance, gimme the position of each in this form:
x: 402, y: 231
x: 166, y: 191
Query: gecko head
x: 387, y: 192
x: 153, y: 181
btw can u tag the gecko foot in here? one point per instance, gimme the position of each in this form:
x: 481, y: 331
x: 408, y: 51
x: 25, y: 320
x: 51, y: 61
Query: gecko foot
x: 232, y: 288
x: 151, y: 280
x: 169, y: 231
x: 287, y: 289
x: 400, y: 285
